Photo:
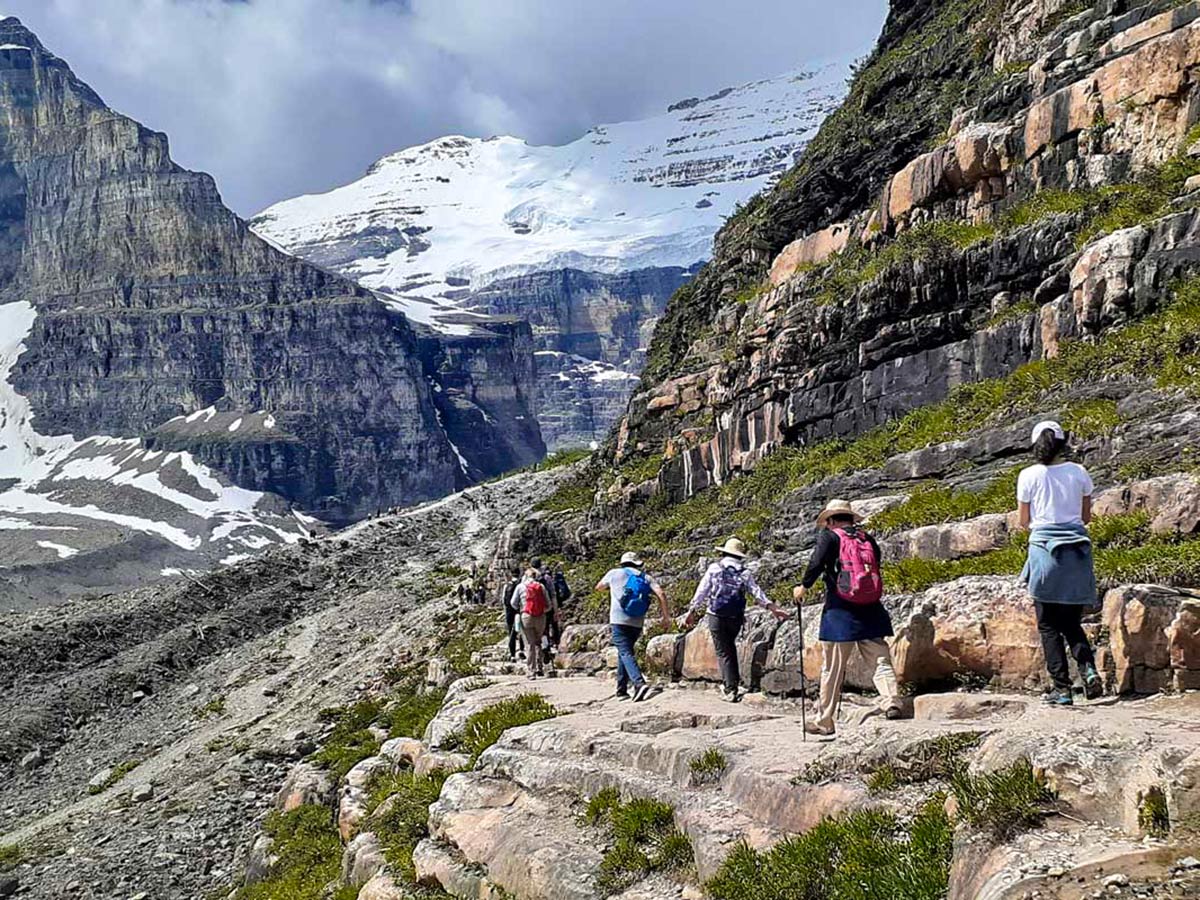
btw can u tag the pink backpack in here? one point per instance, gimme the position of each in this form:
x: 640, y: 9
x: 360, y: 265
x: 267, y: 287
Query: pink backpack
x: 858, y: 577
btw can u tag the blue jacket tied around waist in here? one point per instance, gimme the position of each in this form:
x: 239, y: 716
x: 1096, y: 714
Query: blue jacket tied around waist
x: 1059, y: 568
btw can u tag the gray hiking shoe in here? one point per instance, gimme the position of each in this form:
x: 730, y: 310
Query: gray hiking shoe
x: 1093, y: 686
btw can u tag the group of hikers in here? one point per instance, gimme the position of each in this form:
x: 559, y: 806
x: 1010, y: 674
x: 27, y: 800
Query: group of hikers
x: 1053, y: 501
x: 533, y: 599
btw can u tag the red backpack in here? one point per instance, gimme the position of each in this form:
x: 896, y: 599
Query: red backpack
x: 535, y: 599
x: 858, y: 577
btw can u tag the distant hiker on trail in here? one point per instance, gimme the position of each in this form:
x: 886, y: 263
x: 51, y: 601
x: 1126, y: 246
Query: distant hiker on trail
x: 630, y: 588
x: 1055, y: 502
x: 853, y: 617
x: 721, y: 594
x: 534, y: 597
x: 512, y: 615
x: 562, y: 593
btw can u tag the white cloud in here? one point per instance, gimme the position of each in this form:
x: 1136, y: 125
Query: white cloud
x: 281, y: 97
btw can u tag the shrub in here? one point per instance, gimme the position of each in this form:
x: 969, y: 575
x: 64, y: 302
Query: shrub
x: 309, y: 853
x: 644, y: 840
x: 1154, y: 818
x: 1003, y: 802
x: 413, y: 711
x: 399, y: 806
x: 350, y: 741
x: 863, y: 855
x: 118, y: 772
x: 941, y: 757
x: 708, y: 767
x: 482, y: 729
x: 934, y: 504
x: 11, y: 856
x: 600, y: 806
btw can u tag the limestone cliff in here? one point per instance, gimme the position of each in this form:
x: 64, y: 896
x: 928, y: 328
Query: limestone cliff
x: 154, y: 302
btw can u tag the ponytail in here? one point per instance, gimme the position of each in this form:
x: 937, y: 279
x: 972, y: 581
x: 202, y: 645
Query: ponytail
x: 1047, y: 448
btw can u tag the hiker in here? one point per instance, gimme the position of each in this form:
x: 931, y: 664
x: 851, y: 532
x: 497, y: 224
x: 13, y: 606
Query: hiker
x: 1054, y: 500
x: 722, y: 595
x: 534, y: 598
x: 512, y: 617
x: 853, y: 618
x: 562, y: 593
x: 630, y: 588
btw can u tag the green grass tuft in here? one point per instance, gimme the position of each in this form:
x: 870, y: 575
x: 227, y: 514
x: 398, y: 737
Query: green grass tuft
x: 399, y: 815
x: 708, y: 767
x: 118, y: 772
x: 482, y: 729
x: 644, y: 840
x: 11, y: 856
x: 867, y: 854
x: 349, y: 743
x: 1002, y: 803
x: 941, y: 757
x: 309, y: 851
x: 1154, y: 818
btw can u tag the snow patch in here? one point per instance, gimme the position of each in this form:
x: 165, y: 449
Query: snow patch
x: 63, y: 551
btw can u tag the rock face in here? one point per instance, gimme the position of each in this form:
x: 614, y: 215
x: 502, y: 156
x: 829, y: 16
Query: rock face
x: 154, y: 302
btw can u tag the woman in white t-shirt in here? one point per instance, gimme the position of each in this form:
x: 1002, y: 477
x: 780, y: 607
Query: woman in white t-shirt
x: 1055, y: 503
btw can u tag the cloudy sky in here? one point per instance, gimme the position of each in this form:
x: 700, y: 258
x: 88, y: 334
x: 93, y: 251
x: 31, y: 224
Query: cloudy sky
x: 283, y: 97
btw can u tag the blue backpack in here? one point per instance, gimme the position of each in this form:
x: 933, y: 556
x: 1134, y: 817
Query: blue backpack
x: 727, y: 596
x: 635, y: 599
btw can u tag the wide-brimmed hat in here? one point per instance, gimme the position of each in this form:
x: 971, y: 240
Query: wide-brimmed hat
x: 837, y: 508
x: 1049, y: 425
x: 629, y: 558
x: 734, y: 547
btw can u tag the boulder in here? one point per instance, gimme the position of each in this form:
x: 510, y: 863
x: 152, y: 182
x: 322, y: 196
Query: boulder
x: 1102, y: 277
x: 1153, y: 639
x: 382, y: 887
x: 438, y: 672
x: 700, y: 655
x: 961, y: 706
x: 361, y: 860
x: 584, y: 638
x: 402, y: 751
x: 809, y: 250
x: 352, y: 804
x: 981, y: 151
x: 983, y: 626
x: 1172, y: 500
x: 441, y: 759
x: 305, y: 784
x: 664, y: 655
x: 260, y: 859
x: 950, y: 540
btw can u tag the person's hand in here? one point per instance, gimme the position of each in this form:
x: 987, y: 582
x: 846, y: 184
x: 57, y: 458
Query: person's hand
x: 798, y: 592
x: 781, y: 614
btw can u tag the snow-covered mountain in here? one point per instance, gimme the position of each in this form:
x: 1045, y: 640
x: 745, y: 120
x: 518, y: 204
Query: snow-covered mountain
x: 444, y: 219
x: 586, y: 241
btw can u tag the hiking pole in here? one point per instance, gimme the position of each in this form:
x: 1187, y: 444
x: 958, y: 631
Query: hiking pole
x: 803, y: 692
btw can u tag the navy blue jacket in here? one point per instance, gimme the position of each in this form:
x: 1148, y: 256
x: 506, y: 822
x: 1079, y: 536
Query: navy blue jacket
x: 840, y: 619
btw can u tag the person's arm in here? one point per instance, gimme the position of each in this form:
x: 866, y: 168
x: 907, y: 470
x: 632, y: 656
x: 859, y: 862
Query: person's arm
x: 824, y: 553
x: 1088, y: 488
x: 760, y: 596
x: 518, y: 596
x: 1024, y: 495
x: 662, y: 604
x: 700, y: 598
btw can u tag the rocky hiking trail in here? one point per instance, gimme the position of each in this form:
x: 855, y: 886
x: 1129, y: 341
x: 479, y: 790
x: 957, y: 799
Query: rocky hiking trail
x: 143, y: 734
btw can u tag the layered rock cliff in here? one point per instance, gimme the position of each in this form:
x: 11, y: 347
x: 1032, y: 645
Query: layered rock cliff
x: 155, y: 302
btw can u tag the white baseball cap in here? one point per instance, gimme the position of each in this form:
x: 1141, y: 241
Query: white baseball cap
x: 1048, y: 425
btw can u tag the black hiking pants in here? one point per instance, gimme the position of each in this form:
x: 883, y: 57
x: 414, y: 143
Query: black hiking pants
x: 725, y: 632
x: 1059, y: 623
x: 514, y: 631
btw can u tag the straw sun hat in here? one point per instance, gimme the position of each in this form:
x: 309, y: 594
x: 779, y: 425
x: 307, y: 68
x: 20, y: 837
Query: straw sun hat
x: 733, y: 547
x: 837, y: 508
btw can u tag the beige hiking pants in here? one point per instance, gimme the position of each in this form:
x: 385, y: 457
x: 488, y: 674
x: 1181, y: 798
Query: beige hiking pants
x: 533, y: 627
x: 834, y: 657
